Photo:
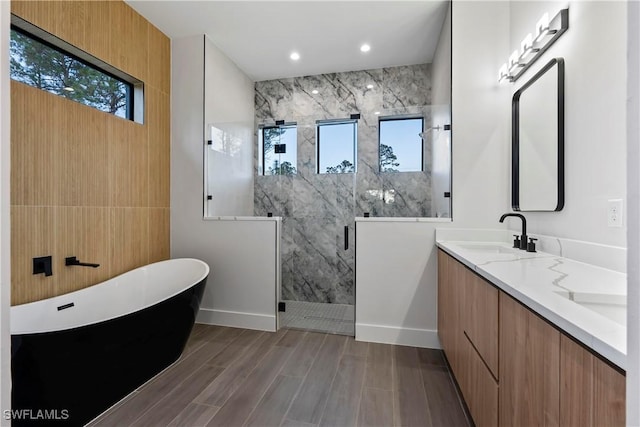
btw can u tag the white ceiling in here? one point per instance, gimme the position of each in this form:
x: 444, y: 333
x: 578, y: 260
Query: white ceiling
x: 260, y: 35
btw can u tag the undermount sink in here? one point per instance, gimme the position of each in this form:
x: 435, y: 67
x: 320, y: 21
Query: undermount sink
x: 488, y: 248
x: 611, y: 306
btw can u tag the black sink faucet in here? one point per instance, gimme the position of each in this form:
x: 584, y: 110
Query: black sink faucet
x: 523, y: 238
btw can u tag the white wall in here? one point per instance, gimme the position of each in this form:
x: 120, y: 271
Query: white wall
x: 633, y: 213
x: 241, y: 290
x: 595, y: 102
x: 395, y: 269
x: 5, y: 227
x: 481, y: 186
x: 229, y: 108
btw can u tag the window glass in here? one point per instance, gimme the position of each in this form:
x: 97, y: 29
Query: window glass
x: 40, y: 65
x: 337, y: 147
x: 279, y: 148
x: 401, y: 145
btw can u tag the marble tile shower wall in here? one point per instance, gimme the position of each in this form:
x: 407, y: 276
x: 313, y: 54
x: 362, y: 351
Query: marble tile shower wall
x: 317, y: 207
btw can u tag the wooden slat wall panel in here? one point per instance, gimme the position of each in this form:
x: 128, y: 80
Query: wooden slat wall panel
x: 159, y: 242
x: 159, y: 121
x: 130, y: 30
x: 159, y: 60
x: 83, y: 182
x: 97, y: 30
x: 129, y: 239
x: 33, y: 147
x: 128, y: 164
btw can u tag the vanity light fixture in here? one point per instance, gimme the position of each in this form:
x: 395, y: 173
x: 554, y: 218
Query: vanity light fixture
x: 514, y: 62
x: 503, y: 74
x: 294, y: 56
x: 542, y: 28
x: 526, y: 47
x: 532, y: 47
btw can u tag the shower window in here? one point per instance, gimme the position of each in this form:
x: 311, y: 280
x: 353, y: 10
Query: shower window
x: 336, y: 141
x: 401, y: 148
x: 279, y: 149
x: 57, y: 67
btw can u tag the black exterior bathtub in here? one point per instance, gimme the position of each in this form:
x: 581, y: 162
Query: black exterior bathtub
x: 72, y: 375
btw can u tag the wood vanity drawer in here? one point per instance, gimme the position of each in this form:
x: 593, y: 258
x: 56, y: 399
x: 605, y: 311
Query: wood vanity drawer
x: 481, y: 323
x: 479, y: 388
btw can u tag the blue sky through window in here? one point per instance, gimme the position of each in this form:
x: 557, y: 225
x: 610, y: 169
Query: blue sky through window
x: 336, y: 142
x: 402, y: 135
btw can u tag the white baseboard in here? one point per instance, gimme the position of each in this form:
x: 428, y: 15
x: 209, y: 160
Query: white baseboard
x: 234, y: 319
x: 425, y: 338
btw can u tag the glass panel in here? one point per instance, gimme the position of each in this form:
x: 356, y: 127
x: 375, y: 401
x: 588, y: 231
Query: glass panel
x: 280, y: 150
x: 336, y: 147
x: 401, y: 145
x: 39, y: 65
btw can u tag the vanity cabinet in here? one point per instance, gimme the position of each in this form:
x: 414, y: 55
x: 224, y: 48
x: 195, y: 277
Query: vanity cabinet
x: 468, y: 331
x: 513, y: 367
x: 529, y: 367
x: 591, y: 391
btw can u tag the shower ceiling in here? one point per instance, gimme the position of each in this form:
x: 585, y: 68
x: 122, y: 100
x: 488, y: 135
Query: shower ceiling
x: 259, y: 36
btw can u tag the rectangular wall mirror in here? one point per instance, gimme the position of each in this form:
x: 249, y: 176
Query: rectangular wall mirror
x: 538, y: 141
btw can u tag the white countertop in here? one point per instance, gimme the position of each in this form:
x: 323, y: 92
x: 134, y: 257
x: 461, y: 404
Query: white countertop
x: 585, y: 301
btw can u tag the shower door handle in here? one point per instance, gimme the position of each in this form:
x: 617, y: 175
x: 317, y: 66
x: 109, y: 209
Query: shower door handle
x: 346, y: 237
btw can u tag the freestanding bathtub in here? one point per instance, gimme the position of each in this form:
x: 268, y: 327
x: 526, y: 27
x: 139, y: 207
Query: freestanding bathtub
x: 75, y: 355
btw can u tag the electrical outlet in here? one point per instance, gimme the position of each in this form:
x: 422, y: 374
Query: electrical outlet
x: 614, y: 213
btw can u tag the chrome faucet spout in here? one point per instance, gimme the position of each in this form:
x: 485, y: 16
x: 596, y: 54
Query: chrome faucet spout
x: 523, y: 237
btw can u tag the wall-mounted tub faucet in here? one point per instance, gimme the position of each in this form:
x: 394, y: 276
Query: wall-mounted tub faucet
x: 523, y: 237
x: 70, y: 261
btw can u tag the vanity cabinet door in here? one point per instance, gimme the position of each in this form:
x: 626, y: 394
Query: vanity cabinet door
x: 450, y: 301
x: 592, y: 392
x: 529, y: 367
x: 481, y: 319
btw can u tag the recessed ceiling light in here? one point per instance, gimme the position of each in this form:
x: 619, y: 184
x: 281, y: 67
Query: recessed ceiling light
x: 365, y: 48
x: 295, y: 56
x: 315, y: 91
x: 369, y: 86
x: 377, y: 113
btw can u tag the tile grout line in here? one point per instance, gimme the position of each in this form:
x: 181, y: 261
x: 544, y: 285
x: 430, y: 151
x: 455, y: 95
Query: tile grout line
x: 364, y: 378
x: 304, y: 378
x: 394, y: 391
x: 257, y: 362
x: 332, y: 381
x: 174, y: 388
x: 424, y: 389
x: 270, y: 384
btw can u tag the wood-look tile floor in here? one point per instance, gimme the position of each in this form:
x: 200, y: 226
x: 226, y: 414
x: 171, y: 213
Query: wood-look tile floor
x: 239, y: 377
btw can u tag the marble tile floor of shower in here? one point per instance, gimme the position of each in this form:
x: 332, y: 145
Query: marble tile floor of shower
x: 239, y: 377
x: 319, y: 317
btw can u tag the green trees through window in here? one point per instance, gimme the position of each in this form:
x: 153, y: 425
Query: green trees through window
x: 279, y: 149
x: 37, y: 64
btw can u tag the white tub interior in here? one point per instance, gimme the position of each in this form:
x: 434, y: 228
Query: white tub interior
x: 130, y: 292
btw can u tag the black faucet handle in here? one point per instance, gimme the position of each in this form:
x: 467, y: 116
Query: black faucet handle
x: 516, y: 241
x: 531, y: 246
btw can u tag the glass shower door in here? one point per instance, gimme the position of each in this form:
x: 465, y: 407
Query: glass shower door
x: 318, y: 242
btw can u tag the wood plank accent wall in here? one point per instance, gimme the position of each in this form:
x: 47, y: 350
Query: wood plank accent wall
x: 83, y: 182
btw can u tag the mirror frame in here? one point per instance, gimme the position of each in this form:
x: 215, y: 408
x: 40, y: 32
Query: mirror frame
x: 515, y: 139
